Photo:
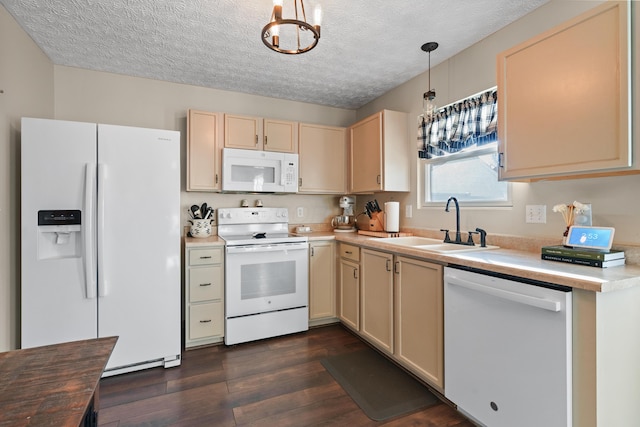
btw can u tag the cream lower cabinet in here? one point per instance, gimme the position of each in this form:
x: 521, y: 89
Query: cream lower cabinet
x: 376, y: 299
x: 349, y: 278
x: 322, y: 282
x: 419, y: 327
x: 204, y: 295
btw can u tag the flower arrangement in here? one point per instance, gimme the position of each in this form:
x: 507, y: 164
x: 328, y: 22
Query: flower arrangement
x: 569, y: 211
x: 568, y: 214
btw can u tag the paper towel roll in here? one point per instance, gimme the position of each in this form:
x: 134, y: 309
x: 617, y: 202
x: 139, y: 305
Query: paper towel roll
x: 392, y: 217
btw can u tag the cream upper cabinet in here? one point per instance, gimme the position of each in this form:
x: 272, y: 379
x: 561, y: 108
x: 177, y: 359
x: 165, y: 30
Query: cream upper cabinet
x: 379, y: 153
x: 256, y: 133
x: 419, y: 328
x: 323, y: 159
x: 563, y: 100
x: 322, y: 280
x: 204, y: 141
x: 376, y: 299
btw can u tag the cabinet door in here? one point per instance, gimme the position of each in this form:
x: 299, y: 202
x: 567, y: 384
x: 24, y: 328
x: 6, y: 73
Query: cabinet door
x: 419, y: 319
x: 280, y: 136
x: 203, y: 151
x: 377, y: 298
x: 242, y: 132
x: 323, y: 159
x: 366, y: 155
x: 322, y: 282
x: 349, y: 312
x: 563, y: 99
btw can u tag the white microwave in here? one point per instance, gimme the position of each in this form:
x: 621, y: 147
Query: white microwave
x: 259, y: 171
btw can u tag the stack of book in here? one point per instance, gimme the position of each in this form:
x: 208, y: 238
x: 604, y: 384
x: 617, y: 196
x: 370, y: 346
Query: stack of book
x: 590, y: 257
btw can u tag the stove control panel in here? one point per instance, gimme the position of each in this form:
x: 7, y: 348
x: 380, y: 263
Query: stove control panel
x: 252, y: 215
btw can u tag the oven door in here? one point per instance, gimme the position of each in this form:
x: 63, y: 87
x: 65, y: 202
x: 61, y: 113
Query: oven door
x: 264, y: 278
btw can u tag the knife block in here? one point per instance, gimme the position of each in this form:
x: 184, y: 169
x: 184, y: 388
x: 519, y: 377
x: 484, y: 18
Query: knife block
x: 376, y: 222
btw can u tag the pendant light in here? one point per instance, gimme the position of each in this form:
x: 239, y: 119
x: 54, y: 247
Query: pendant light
x: 291, y: 36
x: 428, y: 103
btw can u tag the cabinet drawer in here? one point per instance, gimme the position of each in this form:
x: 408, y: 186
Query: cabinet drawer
x: 350, y: 252
x: 205, y: 283
x: 206, y: 320
x: 205, y: 256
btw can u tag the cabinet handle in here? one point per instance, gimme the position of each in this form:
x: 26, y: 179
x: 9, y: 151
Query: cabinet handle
x: 299, y: 182
x: 377, y: 179
x: 396, y: 267
x: 312, y: 252
x: 355, y: 273
x: 265, y: 140
x: 205, y: 284
x: 205, y: 321
x: 256, y: 140
x: 216, y: 178
x: 500, y: 158
x: 387, y: 265
x: 348, y: 252
x: 205, y: 257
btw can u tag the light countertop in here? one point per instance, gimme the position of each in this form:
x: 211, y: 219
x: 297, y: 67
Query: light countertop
x: 512, y: 262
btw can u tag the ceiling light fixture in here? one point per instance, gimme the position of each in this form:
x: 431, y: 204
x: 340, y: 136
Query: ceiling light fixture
x: 284, y: 35
x: 428, y: 104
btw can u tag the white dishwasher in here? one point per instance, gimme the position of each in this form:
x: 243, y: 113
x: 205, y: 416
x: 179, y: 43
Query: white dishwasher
x: 507, y: 345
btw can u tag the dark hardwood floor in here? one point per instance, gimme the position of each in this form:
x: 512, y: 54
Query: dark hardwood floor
x: 274, y: 382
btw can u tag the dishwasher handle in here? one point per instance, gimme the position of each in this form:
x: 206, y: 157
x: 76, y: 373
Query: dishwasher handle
x: 532, y: 301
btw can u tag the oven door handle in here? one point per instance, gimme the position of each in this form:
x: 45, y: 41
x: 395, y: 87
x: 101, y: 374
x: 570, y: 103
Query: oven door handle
x: 285, y: 247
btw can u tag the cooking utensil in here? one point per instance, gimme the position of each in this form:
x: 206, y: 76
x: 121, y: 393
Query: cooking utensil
x: 209, y: 213
x: 195, y: 210
x: 203, y: 209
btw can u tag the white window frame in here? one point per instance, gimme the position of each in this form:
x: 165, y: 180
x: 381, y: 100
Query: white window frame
x: 423, y: 183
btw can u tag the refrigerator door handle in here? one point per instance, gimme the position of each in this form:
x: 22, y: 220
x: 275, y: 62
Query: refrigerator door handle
x: 102, y: 284
x: 88, y: 232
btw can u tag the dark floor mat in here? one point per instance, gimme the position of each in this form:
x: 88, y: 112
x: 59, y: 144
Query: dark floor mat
x: 378, y: 386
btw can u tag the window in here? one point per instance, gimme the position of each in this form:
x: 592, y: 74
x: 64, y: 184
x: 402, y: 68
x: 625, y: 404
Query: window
x: 470, y: 177
x: 457, y: 151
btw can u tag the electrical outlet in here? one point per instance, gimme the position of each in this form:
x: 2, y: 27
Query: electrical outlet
x: 300, y: 212
x: 408, y: 211
x: 536, y: 214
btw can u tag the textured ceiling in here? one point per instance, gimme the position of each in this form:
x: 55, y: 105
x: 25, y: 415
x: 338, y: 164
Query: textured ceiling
x: 367, y: 47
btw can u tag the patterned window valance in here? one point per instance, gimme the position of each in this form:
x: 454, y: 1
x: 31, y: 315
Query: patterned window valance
x: 471, y: 122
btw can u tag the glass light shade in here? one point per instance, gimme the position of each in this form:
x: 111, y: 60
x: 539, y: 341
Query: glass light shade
x: 428, y: 104
x: 317, y: 15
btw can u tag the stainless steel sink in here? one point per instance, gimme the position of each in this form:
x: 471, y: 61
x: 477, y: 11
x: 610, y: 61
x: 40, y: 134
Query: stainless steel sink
x: 432, y: 245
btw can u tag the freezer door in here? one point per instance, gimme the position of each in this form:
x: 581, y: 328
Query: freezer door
x: 139, y: 243
x: 57, y: 284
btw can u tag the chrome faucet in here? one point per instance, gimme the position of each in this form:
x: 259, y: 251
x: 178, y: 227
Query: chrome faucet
x: 458, y: 239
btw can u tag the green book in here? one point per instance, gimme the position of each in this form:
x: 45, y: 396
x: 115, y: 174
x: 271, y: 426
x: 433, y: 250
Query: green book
x: 594, y: 254
x: 584, y: 261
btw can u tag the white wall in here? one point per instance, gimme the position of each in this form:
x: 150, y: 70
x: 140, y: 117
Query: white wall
x: 26, y: 82
x: 613, y: 199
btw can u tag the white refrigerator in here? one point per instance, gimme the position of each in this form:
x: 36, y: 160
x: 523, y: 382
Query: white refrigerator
x: 100, y: 239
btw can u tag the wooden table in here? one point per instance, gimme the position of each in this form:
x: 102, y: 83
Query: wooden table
x: 54, y: 385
